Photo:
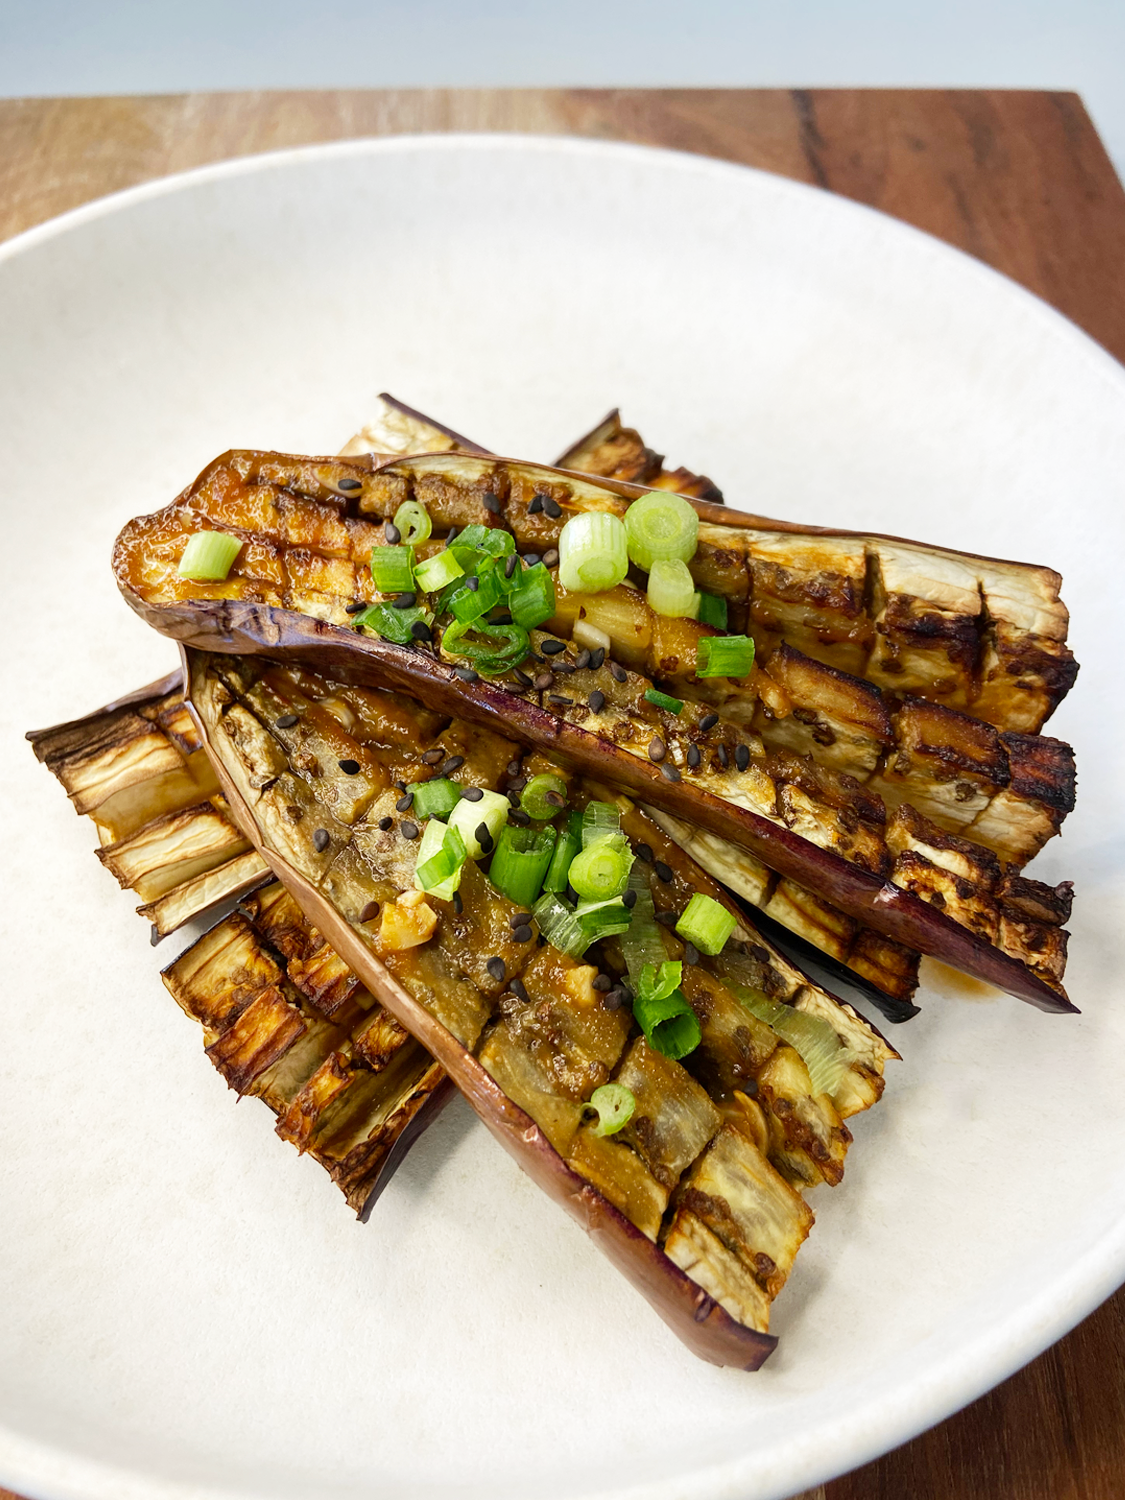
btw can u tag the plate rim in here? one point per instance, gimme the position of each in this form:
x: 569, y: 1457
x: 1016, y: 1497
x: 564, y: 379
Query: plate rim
x: 949, y: 1383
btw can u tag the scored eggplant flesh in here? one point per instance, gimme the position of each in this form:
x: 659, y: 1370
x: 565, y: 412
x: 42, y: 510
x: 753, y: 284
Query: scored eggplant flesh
x: 613, y: 451
x: 522, y: 1029
x: 810, y: 825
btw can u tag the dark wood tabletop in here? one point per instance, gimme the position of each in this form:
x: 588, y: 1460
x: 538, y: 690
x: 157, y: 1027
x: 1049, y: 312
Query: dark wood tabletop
x: 1017, y: 178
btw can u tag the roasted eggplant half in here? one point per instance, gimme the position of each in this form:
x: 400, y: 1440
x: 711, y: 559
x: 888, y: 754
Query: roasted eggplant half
x: 696, y: 1192
x: 305, y: 530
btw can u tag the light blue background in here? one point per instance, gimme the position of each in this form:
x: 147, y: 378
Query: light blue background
x: 159, y: 46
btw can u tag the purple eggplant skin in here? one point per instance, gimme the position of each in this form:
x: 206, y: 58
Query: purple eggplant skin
x: 696, y: 1318
x: 247, y: 628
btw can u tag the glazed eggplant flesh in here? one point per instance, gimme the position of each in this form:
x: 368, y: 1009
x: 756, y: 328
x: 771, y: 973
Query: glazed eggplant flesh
x: 285, y: 1021
x: 527, y: 1032
x: 613, y: 451
x: 808, y: 824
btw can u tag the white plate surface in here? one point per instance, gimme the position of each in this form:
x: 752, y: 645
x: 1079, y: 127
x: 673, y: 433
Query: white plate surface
x: 188, y: 1310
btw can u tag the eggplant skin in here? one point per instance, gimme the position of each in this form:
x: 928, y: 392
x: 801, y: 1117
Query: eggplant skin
x: 696, y: 1318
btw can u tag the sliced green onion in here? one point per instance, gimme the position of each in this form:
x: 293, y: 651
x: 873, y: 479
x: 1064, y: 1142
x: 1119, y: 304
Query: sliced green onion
x: 671, y: 591
x: 435, y: 572
x: 724, y: 656
x: 615, y: 1105
x: 712, y: 611
x: 533, y: 798
x: 822, y: 1052
x: 599, y: 821
x: 470, y: 604
x: 436, y: 798
x: 532, y: 597
x: 392, y: 568
x: 413, y: 521
x: 393, y: 624
x: 658, y: 981
x: 493, y: 540
x: 209, y: 556
x: 522, y: 858
x: 661, y: 527
x: 663, y: 700
x: 467, y: 817
x: 441, y: 854
x: 559, y: 925
x: 669, y: 1023
x: 706, y: 924
x: 601, y: 919
x: 601, y: 869
x: 592, y: 554
x: 491, y: 649
x: 568, y: 845
x: 643, y: 944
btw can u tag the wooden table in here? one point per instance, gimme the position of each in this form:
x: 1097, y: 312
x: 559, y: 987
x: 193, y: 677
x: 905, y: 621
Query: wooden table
x: 1019, y: 179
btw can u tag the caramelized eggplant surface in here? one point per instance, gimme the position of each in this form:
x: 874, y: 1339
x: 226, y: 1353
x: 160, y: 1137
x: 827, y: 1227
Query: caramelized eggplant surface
x: 307, y: 529
x: 697, y: 1196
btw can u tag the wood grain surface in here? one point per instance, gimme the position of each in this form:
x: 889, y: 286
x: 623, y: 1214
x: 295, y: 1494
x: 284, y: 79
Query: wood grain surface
x: 1019, y: 179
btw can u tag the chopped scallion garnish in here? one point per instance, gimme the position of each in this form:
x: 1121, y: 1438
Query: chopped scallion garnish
x: 706, y: 924
x: 601, y: 869
x: 615, y: 1105
x: 661, y: 527
x: 724, y: 656
x: 485, y: 816
x: 413, y: 522
x: 393, y: 624
x: 671, y: 589
x: 493, y: 540
x: 643, y: 944
x: 476, y: 595
x: 491, y: 649
x: 437, y: 571
x: 441, y: 854
x: 568, y: 845
x: 599, y: 820
x: 592, y: 553
x: 209, y: 556
x: 436, y: 798
x: 670, y: 1025
x: 712, y: 611
x: 522, y: 858
x: 531, y: 598
x: 822, y: 1052
x: 663, y: 700
x: 559, y: 925
x: 543, y: 796
x: 602, y: 919
x: 392, y: 569
x: 658, y: 981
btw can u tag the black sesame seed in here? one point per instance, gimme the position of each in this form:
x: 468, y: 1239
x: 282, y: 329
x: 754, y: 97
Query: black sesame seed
x: 669, y: 773
x: 454, y: 763
x: 404, y: 802
x: 597, y: 701
x: 556, y: 799
x: 657, y: 749
x: 544, y: 680
x: 742, y: 757
x: 643, y: 853
x: 510, y: 565
x: 724, y: 756
x: 618, y: 672
x: 406, y: 601
x: 694, y: 756
x: 347, y: 485
x: 629, y: 900
x: 559, y: 699
x: 497, y: 969
x: 472, y: 794
x: 708, y: 721
x: 522, y: 934
x: 466, y: 674
x: 483, y: 837
x: 321, y: 840
x: 385, y: 823
x: 519, y: 784
x: 564, y: 667
x: 473, y: 583
x: 513, y: 768
x: 582, y: 660
x: 523, y: 679
x: 392, y: 533
x: 519, y: 817
x: 421, y: 631
x: 491, y: 502
x: 400, y: 786
x: 450, y: 536
x: 602, y: 982
x: 519, y: 989
x: 691, y: 954
x: 663, y: 871
x: 531, y: 558
x: 285, y: 722
x: 503, y: 618
x: 597, y: 658
x: 458, y: 903
x: 551, y: 507
x: 369, y: 912
x: 551, y: 557
x: 667, y: 918
x: 552, y: 648
x: 616, y: 998
x: 356, y: 607
x: 519, y: 919
x: 408, y: 829
x: 513, y: 797
x: 349, y: 767
x: 535, y: 505
x: 432, y: 757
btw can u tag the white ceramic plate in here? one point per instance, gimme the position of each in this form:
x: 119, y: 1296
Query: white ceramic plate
x: 188, y: 1309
